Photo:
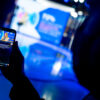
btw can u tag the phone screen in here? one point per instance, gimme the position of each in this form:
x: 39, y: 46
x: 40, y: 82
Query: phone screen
x: 7, y: 38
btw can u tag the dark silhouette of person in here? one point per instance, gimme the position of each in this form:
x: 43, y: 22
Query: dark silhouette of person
x: 86, y: 51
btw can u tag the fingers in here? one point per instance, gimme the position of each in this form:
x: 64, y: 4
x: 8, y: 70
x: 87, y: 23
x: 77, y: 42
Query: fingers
x: 15, y: 50
x: 3, y: 67
x: 16, y: 59
x: 15, y: 44
x: 15, y: 65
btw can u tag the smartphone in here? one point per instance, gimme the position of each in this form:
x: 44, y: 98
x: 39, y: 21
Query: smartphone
x: 7, y: 39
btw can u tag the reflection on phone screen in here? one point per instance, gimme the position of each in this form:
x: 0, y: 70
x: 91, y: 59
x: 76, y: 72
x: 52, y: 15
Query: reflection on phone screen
x: 6, y: 42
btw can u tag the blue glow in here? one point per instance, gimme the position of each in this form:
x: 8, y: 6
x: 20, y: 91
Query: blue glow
x: 39, y: 37
x: 41, y: 58
x: 66, y: 1
x: 87, y: 5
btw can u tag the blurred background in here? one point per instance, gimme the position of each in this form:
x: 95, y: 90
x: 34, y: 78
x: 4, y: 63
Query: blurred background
x: 45, y: 33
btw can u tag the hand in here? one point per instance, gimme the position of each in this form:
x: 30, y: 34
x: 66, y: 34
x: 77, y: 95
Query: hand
x: 22, y: 87
x: 15, y: 70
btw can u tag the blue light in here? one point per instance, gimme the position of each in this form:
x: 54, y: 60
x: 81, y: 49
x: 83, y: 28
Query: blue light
x: 87, y: 5
x: 66, y: 1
